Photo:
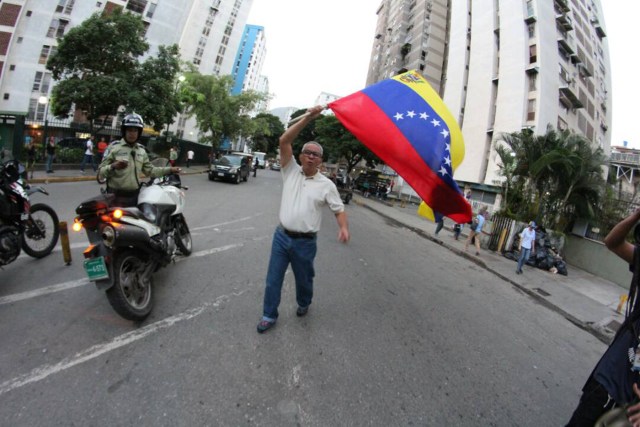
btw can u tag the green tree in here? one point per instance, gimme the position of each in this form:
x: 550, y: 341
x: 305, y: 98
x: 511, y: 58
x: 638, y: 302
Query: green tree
x: 94, y: 62
x: 265, y: 136
x: 559, y: 176
x: 340, y: 144
x: 218, y: 113
x: 155, y: 96
x: 97, y: 68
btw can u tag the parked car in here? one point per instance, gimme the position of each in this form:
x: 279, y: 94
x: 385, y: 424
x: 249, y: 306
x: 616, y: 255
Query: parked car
x: 231, y: 167
x: 275, y: 166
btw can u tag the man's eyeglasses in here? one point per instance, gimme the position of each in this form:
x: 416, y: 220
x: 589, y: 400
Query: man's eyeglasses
x: 311, y: 154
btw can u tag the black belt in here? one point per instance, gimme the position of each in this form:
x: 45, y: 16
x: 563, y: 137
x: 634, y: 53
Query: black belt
x: 298, y: 234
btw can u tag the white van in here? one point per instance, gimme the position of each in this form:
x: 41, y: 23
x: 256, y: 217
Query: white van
x: 260, y: 156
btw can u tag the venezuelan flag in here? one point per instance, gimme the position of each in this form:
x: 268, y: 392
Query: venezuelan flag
x: 405, y: 123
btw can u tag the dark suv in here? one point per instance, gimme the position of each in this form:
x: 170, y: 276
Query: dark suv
x: 231, y: 167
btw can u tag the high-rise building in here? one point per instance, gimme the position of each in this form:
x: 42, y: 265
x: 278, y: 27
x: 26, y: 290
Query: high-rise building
x: 208, y: 33
x: 502, y: 66
x: 249, y: 59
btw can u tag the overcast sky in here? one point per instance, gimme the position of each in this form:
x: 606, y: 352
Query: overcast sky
x: 324, y: 46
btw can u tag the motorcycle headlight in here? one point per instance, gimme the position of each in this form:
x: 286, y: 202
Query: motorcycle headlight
x: 108, y: 235
x: 149, y: 211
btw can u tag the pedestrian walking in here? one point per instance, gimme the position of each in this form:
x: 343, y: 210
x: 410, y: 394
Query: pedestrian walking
x: 51, y: 154
x: 31, y: 158
x: 88, y: 154
x: 255, y: 167
x: 190, y: 155
x: 102, y: 147
x: 173, y: 156
x: 527, y: 245
x: 304, y: 191
x: 439, y: 222
x: 614, y: 381
x: 476, y: 230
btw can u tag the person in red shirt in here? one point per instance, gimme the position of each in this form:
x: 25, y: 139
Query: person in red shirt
x: 102, y: 145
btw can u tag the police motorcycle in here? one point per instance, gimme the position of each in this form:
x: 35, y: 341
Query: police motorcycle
x: 128, y: 244
x: 32, y: 228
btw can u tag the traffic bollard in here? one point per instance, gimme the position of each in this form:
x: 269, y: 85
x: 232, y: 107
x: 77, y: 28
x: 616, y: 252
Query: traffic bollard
x: 64, y: 241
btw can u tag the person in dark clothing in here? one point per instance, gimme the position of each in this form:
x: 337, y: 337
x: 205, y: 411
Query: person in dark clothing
x: 255, y: 167
x: 615, y: 378
x: 51, y: 153
x: 31, y: 159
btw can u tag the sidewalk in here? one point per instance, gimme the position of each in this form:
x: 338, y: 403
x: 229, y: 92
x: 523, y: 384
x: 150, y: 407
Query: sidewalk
x: 588, y: 301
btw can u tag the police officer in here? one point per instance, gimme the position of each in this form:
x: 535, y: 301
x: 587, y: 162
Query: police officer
x: 125, y: 159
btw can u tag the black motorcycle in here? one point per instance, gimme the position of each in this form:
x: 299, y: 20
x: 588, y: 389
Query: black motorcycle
x: 32, y: 228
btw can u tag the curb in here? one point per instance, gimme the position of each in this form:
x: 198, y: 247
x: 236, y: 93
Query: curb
x: 54, y: 180
x: 601, y: 332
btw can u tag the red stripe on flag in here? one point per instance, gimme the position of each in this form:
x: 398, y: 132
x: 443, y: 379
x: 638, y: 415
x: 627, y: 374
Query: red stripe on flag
x: 362, y: 117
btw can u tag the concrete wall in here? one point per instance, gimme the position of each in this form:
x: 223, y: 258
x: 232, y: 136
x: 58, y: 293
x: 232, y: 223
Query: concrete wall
x: 595, y: 258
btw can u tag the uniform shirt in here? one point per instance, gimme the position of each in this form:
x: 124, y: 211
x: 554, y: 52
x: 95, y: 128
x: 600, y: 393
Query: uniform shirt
x: 302, y: 198
x: 527, y: 236
x: 127, y: 178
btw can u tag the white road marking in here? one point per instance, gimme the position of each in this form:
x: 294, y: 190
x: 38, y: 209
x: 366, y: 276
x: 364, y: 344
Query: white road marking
x: 120, y: 341
x: 246, y: 218
x: 81, y: 282
x: 43, y: 291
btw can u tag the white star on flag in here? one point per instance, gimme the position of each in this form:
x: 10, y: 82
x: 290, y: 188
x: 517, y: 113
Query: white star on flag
x: 443, y: 171
x: 398, y: 116
x: 445, y: 133
x: 424, y: 116
x: 435, y: 122
x: 411, y: 114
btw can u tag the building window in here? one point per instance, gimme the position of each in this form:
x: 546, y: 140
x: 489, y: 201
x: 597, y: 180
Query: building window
x: 136, y: 6
x: 65, y: 6
x: 12, y: 67
x: 531, y: 28
x: 28, y: 13
x: 152, y: 9
x: 533, y: 78
x: 57, y: 27
x: 6, y: 96
x: 41, y: 82
x: 531, y: 110
x: 533, y: 57
x: 9, y: 14
x: 44, y: 54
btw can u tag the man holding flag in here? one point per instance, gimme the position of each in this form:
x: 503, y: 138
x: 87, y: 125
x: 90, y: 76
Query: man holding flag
x: 304, y: 191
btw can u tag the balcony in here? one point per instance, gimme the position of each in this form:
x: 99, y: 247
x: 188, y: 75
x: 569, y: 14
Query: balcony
x: 625, y: 158
x: 584, y: 70
x: 569, y: 98
x: 599, y: 30
x: 562, y: 5
x: 564, y: 21
x: 567, y: 44
x: 531, y: 18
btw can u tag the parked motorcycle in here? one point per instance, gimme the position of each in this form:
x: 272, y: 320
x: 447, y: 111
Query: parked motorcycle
x: 32, y: 228
x: 128, y: 244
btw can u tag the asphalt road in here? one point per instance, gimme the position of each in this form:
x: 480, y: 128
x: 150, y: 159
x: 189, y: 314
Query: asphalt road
x: 401, y: 332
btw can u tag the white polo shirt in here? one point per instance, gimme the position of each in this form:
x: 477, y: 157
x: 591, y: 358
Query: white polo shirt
x: 302, y: 198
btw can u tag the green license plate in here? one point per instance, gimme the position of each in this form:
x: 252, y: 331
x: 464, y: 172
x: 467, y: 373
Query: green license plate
x: 96, y: 268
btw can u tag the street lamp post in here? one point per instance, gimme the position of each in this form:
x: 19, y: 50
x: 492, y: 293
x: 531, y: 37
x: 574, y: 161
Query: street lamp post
x: 181, y: 78
x: 43, y: 100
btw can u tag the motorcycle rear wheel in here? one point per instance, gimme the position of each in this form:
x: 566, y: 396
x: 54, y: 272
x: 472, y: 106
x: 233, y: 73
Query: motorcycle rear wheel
x: 41, y: 236
x: 131, y: 295
x: 183, y: 237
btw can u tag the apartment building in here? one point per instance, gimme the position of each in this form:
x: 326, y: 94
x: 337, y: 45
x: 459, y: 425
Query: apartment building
x: 208, y: 33
x: 502, y: 66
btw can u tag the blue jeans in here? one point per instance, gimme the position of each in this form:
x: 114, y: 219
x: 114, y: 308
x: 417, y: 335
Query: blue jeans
x: 88, y: 158
x: 49, y: 162
x: 524, y: 256
x: 300, y: 253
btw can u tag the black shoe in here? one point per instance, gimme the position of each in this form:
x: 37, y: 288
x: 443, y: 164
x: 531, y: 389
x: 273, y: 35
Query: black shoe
x: 265, y: 325
x: 302, y: 311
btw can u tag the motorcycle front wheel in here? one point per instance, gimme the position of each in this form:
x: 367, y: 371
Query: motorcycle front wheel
x: 183, y: 237
x: 131, y: 295
x: 41, y: 232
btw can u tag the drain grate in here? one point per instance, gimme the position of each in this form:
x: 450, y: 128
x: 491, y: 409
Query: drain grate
x: 542, y: 292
